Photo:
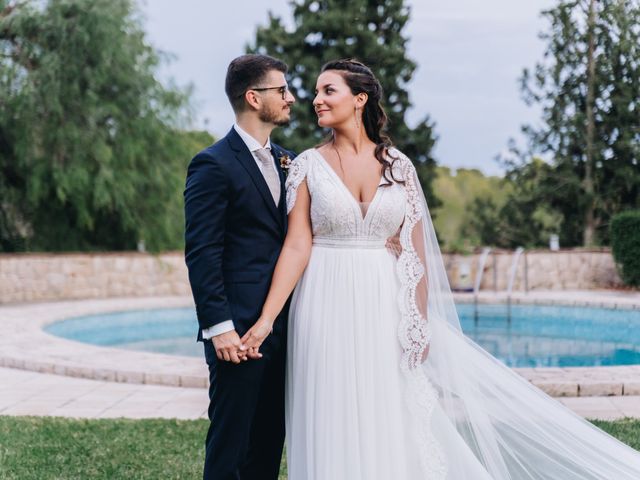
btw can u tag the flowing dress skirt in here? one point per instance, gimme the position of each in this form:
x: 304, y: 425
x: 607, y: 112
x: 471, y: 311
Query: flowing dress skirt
x: 345, y: 412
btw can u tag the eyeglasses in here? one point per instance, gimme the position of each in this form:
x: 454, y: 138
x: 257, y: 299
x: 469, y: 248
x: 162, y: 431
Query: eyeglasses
x: 283, y: 90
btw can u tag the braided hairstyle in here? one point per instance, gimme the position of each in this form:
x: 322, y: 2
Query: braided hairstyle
x: 361, y: 79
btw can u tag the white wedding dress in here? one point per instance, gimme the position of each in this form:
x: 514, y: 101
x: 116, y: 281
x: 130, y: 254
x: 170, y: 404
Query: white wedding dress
x: 361, y: 404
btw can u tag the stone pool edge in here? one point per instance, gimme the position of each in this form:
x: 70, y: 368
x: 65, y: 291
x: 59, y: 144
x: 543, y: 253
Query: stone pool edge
x: 25, y: 345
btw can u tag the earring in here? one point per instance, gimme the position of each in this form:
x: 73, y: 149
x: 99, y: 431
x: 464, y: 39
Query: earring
x: 356, y: 116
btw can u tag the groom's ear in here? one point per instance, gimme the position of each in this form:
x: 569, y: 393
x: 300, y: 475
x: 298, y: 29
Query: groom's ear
x: 252, y: 100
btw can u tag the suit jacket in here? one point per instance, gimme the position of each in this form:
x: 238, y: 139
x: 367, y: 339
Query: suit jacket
x: 234, y: 233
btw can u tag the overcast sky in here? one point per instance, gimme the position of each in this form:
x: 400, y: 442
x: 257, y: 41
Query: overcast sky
x: 469, y: 56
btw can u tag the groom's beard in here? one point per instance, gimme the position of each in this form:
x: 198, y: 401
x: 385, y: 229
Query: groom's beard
x: 279, y: 117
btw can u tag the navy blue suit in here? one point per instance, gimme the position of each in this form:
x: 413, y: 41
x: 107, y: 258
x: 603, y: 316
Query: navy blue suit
x: 234, y: 234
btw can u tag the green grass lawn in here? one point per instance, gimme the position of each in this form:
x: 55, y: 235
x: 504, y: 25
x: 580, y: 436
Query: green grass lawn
x: 42, y: 448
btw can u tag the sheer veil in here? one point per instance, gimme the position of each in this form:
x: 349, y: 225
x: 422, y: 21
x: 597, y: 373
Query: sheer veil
x: 466, y: 401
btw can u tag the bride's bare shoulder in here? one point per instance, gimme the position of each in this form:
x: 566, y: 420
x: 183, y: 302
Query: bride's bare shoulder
x: 323, y: 149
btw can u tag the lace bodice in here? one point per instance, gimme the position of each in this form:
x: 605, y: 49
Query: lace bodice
x: 335, y: 213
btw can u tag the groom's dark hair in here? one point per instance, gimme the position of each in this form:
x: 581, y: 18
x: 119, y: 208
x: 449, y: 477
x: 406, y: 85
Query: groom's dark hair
x: 248, y: 71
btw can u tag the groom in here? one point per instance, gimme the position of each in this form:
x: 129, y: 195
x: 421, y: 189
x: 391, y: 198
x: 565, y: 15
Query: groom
x: 236, y: 222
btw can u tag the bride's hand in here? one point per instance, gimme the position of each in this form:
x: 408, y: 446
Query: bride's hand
x: 255, y: 336
x: 425, y: 354
x: 393, y: 245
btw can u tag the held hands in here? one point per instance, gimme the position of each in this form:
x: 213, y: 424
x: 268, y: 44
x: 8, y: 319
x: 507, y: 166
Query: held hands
x: 255, y: 336
x: 229, y: 347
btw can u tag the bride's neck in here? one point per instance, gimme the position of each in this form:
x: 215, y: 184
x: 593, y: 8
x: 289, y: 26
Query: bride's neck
x: 351, y: 140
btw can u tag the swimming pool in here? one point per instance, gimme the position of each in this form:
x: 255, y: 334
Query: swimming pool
x: 534, y: 336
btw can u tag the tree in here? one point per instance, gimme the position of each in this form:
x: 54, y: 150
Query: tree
x: 369, y: 30
x: 587, y: 86
x: 521, y: 219
x: 459, y: 192
x: 90, y: 152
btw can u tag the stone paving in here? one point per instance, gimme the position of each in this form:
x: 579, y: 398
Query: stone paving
x: 30, y: 393
x: 574, y: 298
x: 604, y: 408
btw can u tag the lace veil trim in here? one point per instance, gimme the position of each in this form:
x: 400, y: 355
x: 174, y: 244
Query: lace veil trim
x: 414, y: 331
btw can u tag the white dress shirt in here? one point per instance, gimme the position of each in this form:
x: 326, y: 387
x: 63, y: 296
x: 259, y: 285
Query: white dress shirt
x: 253, y: 145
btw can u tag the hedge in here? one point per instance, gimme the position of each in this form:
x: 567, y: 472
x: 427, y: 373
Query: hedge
x: 625, y: 244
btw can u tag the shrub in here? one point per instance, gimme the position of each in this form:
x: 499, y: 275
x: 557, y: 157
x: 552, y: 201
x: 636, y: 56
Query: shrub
x: 625, y: 243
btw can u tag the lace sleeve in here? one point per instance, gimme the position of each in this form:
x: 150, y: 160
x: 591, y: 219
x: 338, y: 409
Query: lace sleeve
x: 297, y: 173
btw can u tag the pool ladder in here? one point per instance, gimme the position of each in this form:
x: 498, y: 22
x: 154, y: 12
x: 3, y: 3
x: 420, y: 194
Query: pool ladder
x: 512, y: 277
x: 479, y: 273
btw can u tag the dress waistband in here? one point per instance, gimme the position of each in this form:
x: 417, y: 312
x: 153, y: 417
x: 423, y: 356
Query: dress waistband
x: 348, y: 242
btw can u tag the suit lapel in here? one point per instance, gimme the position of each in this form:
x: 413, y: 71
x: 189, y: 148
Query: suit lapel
x: 245, y: 158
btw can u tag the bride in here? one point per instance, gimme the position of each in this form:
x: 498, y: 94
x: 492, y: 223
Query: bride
x: 381, y: 381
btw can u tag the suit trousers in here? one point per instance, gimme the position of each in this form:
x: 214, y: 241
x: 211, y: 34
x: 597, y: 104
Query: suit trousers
x: 246, y: 410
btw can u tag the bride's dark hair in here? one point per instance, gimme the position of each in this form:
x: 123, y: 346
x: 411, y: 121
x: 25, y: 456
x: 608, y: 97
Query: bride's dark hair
x: 361, y: 79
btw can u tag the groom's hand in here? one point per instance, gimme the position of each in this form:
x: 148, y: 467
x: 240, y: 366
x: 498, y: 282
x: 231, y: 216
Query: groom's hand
x: 229, y: 347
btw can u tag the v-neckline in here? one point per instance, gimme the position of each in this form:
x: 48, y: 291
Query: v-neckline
x: 355, y: 201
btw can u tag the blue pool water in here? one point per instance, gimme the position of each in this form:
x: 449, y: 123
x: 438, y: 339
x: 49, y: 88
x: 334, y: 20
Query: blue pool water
x: 536, y: 336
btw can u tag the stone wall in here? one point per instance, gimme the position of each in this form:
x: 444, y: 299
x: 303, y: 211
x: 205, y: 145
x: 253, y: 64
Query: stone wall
x: 33, y: 277
x: 39, y: 277
x: 578, y: 269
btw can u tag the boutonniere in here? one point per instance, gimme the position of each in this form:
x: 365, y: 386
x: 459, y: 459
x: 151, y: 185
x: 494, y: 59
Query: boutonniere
x: 285, y: 162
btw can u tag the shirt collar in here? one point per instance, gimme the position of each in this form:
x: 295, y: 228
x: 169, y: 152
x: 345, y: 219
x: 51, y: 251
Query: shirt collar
x: 251, y: 143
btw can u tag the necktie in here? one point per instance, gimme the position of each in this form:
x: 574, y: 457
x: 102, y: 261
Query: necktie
x: 269, y: 173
